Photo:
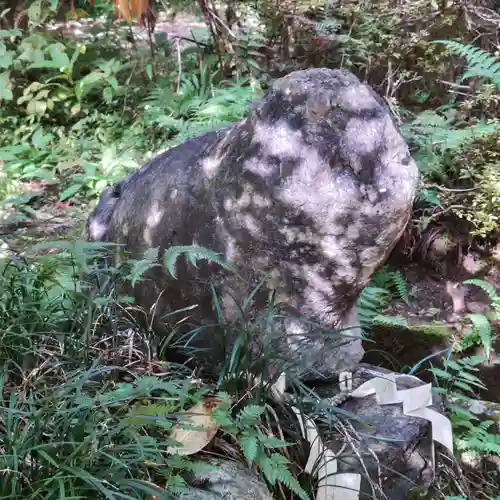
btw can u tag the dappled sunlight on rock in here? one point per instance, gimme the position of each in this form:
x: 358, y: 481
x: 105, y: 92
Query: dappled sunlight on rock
x: 154, y: 218
x: 307, y: 197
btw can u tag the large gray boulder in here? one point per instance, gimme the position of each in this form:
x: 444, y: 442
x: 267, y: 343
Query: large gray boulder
x: 308, y: 195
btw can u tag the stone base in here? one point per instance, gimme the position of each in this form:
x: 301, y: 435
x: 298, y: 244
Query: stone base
x: 396, y: 449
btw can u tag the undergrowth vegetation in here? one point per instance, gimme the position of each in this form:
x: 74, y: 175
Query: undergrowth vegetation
x: 87, y: 407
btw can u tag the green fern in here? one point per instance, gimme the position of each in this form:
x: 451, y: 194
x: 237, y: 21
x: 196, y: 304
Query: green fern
x: 399, y: 283
x: 481, y: 327
x: 250, y: 414
x: 434, y: 134
x: 192, y: 254
x: 198, y: 107
x: 371, y: 306
x: 481, y: 64
x: 479, y: 439
x: 488, y: 288
x: 458, y: 376
x: 386, y: 320
x: 481, y: 331
x: 372, y: 302
x: 392, y: 281
x: 250, y: 447
x: 455, y: 381
x: 150, y: 414
x: 139, y: 267
x: 275, y: 469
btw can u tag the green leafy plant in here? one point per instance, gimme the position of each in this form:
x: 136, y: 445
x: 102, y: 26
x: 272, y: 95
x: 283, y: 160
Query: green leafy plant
x: 480, y: 63
x: 457, y: 382
x: 436, y: 136
x: 39, y: 305
x: 248, y: 54
x: 386, y: 285
x: 479, y: 438
x: 477, y: 168
x: 481, y: 331
x: 458, y: 378
x: 76, y: 429
x: 372, y: 306
x: 199, y: 105
x: 393, y: 281
x: 246, y: 429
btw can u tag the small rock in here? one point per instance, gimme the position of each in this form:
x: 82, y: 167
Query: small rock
x: 396, y: 449
x: 229, y: 481
x: 478, y: 307
x: 484, y: 410
x: 474, y: 263
x: 495, y: 253
x: 441, y: 245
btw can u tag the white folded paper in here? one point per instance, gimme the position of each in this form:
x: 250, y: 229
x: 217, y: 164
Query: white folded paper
x: 346, y: 486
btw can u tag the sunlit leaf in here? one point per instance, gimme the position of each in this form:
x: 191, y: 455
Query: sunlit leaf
x: 132, y: 9
x: 195, y: 432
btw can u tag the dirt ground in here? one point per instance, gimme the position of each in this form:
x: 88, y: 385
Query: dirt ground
x: 437, y: 297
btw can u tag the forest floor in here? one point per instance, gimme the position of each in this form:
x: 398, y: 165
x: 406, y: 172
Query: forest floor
x: 439, y: 302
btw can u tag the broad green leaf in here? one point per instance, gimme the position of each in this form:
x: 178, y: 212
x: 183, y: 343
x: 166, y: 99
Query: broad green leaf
x: 88, y: 82
x: 58, y: 54
x: 36, y: 107
x: 41, y: 140
x: 5, y: 92
x: 35, y: 11
x: 113, y: 82
x: 69, y: 192
x: 10, y: 33
x: 107, y: 95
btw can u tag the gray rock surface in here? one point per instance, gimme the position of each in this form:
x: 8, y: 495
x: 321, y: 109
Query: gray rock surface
x: 228, y: 481
x: 396, y: 449
x: 483, y: 410
x: 308, y: 195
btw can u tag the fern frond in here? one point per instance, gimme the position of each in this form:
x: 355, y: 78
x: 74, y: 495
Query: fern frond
x: 250, y: 414
x: 399, y: 283
x: 480, y: 440
x: 155, y: 414
x: 488, y: 288
x: 482, y: 327
x: 372, y: 302
x: 250, y: 447
x: 481, y: 64
x: 275, y: 469
x: 177, y: 484
x: 192, y: 254
x: 386, y: 320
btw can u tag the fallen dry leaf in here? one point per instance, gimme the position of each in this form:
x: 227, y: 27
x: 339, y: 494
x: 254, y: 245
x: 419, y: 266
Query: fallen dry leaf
x: 132, y: 9
x: 194, y: 440
x: 62, y: 204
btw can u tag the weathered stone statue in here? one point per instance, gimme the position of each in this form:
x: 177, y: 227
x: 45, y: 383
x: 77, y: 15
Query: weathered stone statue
x: 306, y: 197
